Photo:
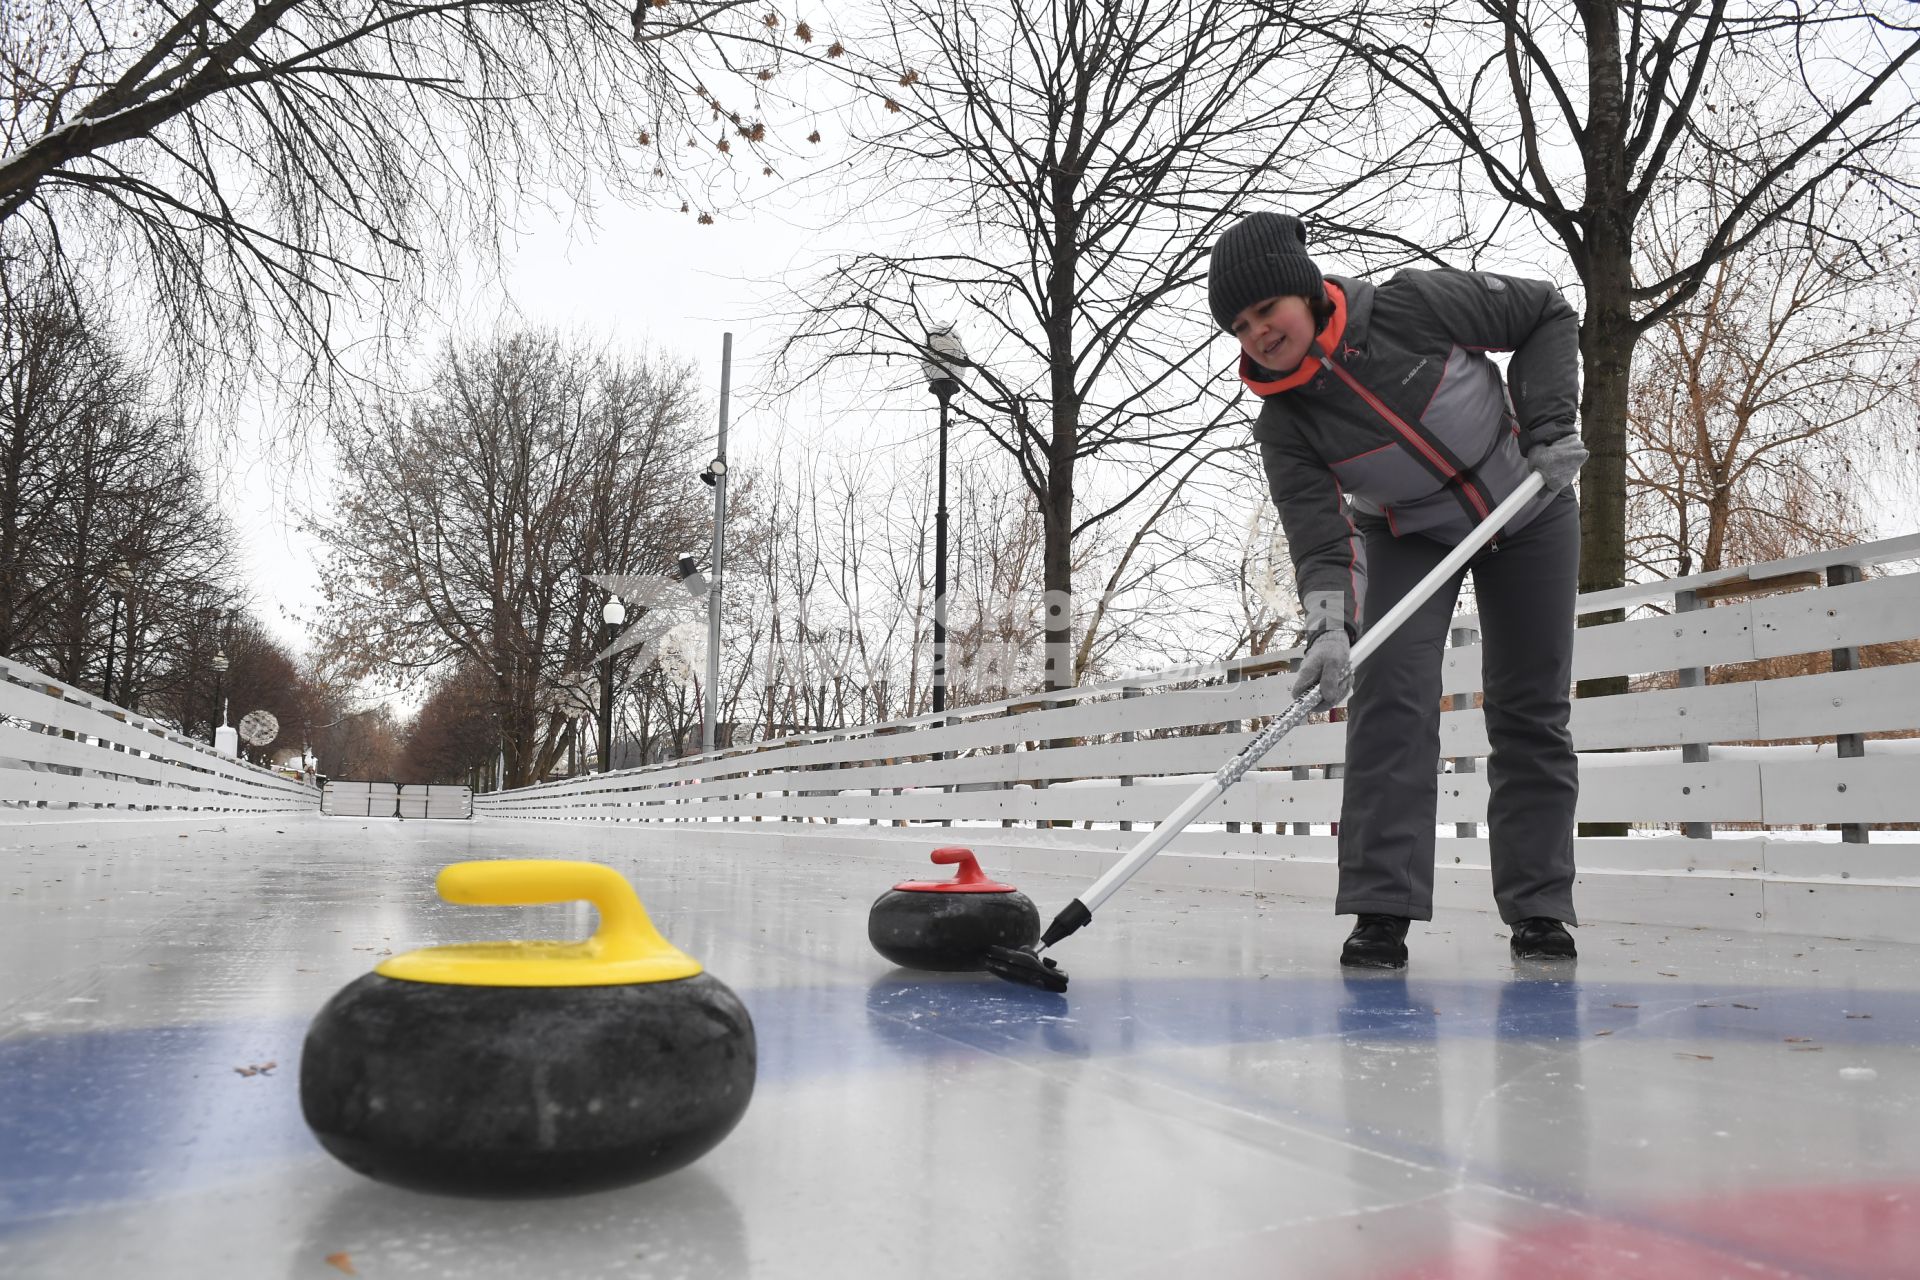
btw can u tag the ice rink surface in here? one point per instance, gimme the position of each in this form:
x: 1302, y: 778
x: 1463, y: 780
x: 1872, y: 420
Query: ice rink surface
x: 1211, y: 1098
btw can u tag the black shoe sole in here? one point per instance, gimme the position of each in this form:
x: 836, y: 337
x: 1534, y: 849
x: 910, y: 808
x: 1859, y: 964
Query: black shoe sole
x: 1371, y: 962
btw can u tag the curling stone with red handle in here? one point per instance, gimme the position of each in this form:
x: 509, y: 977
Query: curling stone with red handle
x: 947, y: 925
x: 530, y: 1068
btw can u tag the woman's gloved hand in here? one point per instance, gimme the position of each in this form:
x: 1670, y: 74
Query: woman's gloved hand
x: 1558, y: 461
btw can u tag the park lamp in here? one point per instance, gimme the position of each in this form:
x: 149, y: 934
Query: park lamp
x: 944, y: 354
x: 715, y: 470
x: 219, y: 696
x: 613, y: 613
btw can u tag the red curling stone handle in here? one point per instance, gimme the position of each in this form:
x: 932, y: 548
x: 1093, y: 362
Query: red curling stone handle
x: 969, y: 880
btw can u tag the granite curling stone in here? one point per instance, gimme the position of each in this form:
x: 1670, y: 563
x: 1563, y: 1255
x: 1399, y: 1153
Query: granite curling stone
x: 530, y: 1068
x: 947, y: 925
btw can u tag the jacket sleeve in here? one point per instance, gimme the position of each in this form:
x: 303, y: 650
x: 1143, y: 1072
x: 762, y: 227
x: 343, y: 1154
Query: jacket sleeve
x: 1328, y: 554
x: 1487, y: 312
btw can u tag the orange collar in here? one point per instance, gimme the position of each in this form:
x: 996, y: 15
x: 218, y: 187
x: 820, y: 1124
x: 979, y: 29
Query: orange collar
x: 1328, y: 338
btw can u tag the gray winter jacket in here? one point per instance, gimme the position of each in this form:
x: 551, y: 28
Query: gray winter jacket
x: 1402, y: 420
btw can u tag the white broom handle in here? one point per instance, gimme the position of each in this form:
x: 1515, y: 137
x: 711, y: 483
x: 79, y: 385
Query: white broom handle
x: 1376, y: 635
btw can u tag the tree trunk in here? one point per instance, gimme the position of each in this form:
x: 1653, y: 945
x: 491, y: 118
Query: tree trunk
x: 1057, y: 516
x: 1606, y: 343
x: 1607, y: 338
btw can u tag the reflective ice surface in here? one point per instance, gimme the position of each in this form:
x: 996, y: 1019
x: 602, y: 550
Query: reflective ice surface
x: 1211, y: 1097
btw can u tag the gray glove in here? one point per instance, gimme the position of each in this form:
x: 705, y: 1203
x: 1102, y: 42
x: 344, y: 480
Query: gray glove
x: 1328, y: 664
x: 1329, y: 659
x: 1558, y: 461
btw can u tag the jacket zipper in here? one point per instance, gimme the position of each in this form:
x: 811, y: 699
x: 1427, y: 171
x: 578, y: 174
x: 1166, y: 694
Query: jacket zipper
x: 1413, y: 438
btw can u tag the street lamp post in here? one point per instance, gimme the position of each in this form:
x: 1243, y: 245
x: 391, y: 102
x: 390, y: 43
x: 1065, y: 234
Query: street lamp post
x: 716, y: 475
x: 113, y: 631
x: 612, y: 615
x: 500, y: 699
x: 945, y: 354
x: 119, y: 580
x: 146, y: 635
x: 219, y: 695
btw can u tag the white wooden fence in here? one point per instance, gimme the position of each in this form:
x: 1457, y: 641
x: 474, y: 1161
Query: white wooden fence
x: 1058, y: 782
x: 64, y: 752
x: 349, y: 799
x: 435, y: 800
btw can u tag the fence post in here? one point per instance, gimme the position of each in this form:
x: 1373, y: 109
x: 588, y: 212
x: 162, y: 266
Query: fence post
x: 1848, y: 746
x: 1013, y: 748
x: 897, y: 793
x: 947, y: 788
x: 1693, y: 678
x: 1233, y: 677
x: 1128, y: 735
x: 1460, y: 638
x: 1301, y: 772
x: 1037, y: 784
x: 873, y: 792
x: 1337, y: 715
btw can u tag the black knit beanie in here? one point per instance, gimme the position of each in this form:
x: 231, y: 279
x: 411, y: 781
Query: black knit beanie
x: 1264, y: 255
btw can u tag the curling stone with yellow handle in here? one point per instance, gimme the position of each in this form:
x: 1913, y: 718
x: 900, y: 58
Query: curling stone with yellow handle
x: 530, y: 1068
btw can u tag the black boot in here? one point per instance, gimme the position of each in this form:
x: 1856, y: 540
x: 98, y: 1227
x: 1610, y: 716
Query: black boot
x: 1377, y: 942
x: 1541, y: 938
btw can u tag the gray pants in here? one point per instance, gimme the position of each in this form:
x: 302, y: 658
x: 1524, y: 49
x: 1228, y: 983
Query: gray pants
x: 1525, y: 588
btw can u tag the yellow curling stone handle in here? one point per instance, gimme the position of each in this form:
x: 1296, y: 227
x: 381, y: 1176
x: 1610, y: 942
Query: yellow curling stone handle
x: 625, y: 949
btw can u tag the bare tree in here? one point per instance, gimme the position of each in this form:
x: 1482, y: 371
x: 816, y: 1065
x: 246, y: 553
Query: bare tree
x: 996, y: 634
x: 879, y: 548
x: 834, y: 632
x: 1074, y: 162
x: 836, y: 606
x: 472, y: 515
x: 275, y: 170
x: 363, y: 746
x: 1577, y: 116
x: 451, y: 737
x: 1247, y: 562
x: 263, y: 676
x: 1768, y: 410
x: 63, y: 380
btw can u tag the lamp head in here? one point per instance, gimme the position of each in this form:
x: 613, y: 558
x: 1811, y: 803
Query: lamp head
x: 694, y: 581
x: 614, y: 612
x: 942, y: 354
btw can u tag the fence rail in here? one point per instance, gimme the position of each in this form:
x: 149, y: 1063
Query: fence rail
x: 63, y: 750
